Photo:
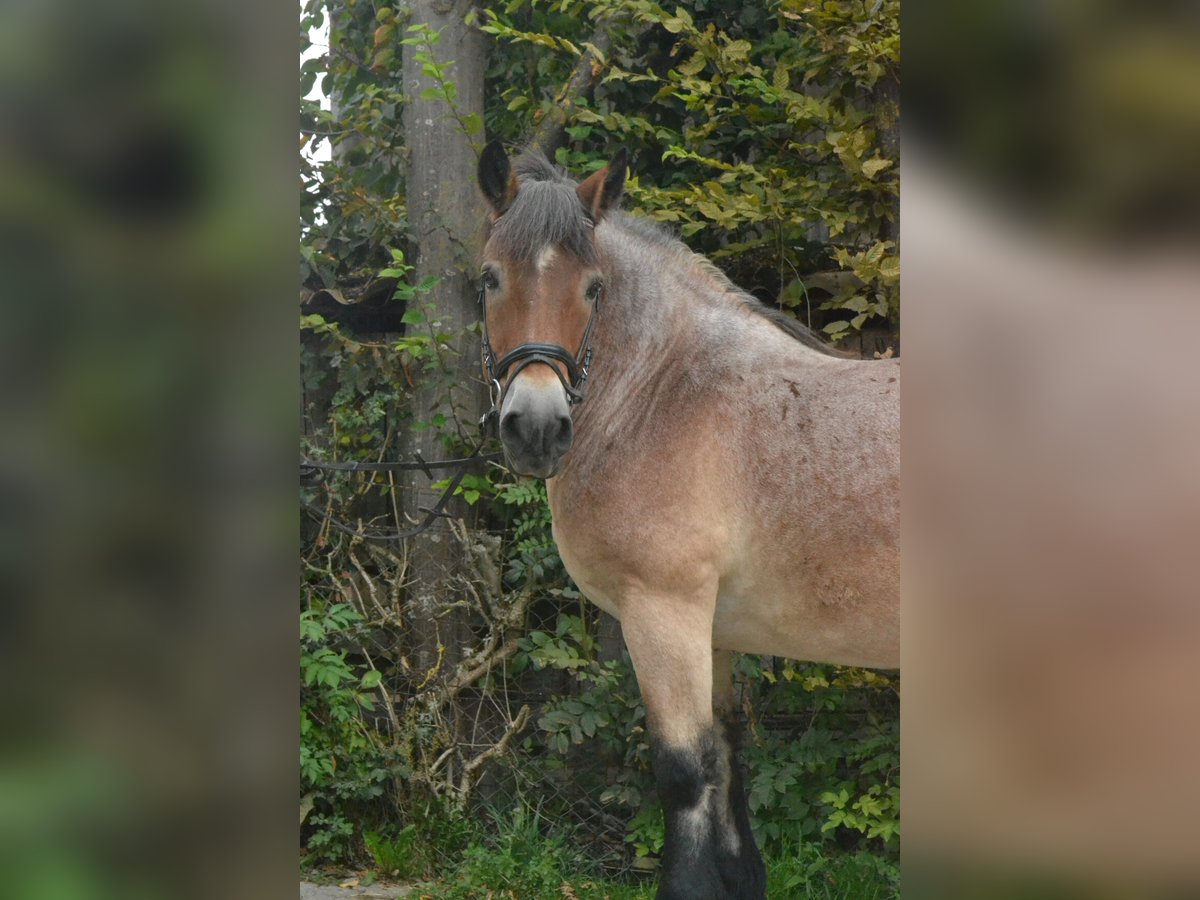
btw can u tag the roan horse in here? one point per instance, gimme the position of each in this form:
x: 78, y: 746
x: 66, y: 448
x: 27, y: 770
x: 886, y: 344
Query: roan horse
x: 718, y: 480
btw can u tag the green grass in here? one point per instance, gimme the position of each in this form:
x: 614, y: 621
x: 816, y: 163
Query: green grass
x: 810, y: 874
x: 521, y: 863
x: 514, y: 859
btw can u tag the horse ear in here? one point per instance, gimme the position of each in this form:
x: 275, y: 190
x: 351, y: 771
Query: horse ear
x: 601, y: 190
x: 496, y: 178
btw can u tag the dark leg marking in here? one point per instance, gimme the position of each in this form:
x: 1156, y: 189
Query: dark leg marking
x: 750, y: 869
x: 709, y: 852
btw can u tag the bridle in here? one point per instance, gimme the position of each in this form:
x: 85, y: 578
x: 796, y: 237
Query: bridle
x: 577, y: 364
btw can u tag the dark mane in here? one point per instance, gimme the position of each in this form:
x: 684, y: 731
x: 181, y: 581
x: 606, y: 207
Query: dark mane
x: 547, y: 211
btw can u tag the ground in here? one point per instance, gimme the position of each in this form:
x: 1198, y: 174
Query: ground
x: 377, y: 891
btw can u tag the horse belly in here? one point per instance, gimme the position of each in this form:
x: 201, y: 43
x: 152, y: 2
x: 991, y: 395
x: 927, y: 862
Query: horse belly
x: 785, y: 613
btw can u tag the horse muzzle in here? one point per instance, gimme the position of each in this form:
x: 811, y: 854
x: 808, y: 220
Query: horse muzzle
x: 535, y: 426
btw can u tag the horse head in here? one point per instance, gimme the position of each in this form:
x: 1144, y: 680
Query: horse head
x: 541, y: 285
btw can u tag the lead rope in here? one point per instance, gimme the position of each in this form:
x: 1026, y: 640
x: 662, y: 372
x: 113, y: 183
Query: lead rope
x: 312, y: 473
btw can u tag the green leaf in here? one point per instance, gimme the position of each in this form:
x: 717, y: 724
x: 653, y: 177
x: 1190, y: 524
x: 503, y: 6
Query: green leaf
x: 873, y: 167
x: 413, y: 317
x: 738, y: 49
x: 472, y: 123
x: 694, y: 66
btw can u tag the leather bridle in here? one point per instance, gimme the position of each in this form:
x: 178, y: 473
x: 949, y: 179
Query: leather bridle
x: 577, y: 364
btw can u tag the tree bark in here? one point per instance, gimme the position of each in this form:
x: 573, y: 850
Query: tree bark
x: 444, y: 211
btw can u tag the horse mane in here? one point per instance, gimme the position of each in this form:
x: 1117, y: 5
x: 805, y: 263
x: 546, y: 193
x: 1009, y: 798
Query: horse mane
x: 549, y: 212
x: 546, y: 211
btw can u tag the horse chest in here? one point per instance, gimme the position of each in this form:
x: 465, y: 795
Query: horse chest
x: 624, y: 541
x: 591, y: 563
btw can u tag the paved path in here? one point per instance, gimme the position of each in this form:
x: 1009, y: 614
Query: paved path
x: 377, y: 891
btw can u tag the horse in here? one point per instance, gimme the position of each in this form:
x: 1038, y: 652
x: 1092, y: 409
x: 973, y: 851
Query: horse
x: 719, y: 479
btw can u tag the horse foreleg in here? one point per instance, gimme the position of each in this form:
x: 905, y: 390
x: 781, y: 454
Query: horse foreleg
x: 709, y: 853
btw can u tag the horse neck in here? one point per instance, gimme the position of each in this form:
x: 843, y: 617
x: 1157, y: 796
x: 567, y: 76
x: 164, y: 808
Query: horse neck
x: 647, y: 322
x: 651, y: 330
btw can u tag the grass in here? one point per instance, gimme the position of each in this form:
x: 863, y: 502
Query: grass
x: 521, y: 863
x: 810, y: 874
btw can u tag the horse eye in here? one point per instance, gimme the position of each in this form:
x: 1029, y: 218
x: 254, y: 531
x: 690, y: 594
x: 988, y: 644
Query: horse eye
x: 489, y: 281
x: 593, y: 291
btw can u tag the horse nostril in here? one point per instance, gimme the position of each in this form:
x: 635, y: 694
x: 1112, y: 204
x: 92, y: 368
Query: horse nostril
x: 559, y: 435
x: 510, y: 429
x: 544, y: 436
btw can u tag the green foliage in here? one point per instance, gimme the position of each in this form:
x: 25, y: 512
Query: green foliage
x: 765, y: 135
x: 533, y: 557
x: 343, y: 766
x: 352, y: 208
x: 424, y: 847
x: 424, y: 39
x: 834, y: 773
x: 524, y: 859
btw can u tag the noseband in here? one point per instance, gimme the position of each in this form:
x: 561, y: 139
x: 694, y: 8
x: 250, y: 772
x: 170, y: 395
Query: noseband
x: 577, y: 364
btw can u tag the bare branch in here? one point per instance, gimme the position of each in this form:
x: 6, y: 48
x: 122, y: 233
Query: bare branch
x: 579, y: 86
x: 465, y: 679
x: 497, y: 749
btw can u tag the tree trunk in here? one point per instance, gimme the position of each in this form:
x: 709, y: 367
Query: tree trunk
x: 444, y: 210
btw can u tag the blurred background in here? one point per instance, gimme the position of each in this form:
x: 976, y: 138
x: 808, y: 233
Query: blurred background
x: 1051, y: 494
x: 147, y: 448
